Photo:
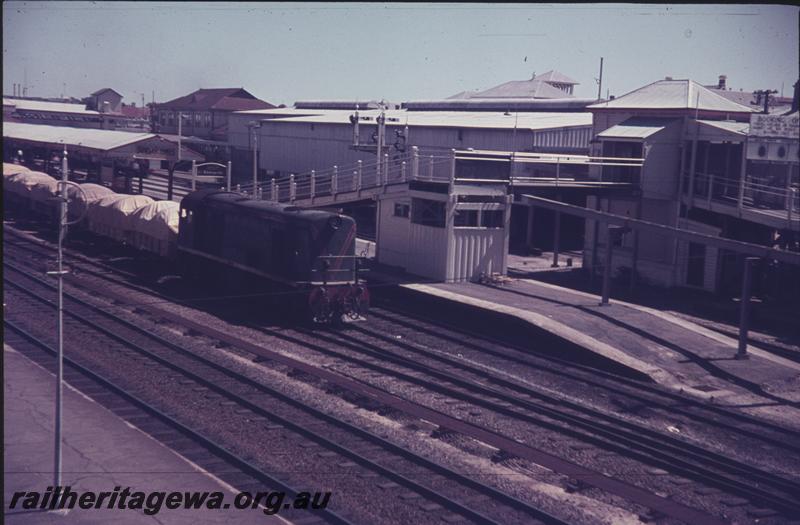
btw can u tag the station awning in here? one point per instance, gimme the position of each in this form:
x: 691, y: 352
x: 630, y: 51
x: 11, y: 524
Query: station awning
x: 634, y: 128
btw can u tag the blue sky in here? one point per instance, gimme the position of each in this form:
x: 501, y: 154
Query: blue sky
x: 283, y: 52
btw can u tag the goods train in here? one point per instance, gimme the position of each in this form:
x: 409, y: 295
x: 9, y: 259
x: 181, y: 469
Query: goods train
x: 216, y: 234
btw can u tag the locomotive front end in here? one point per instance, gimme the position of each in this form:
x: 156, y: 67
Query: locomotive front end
x: 337, y: 294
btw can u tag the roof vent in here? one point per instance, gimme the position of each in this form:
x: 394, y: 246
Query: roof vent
x: 612, y: 97
x: 667, y: 78
x: 722, y: 81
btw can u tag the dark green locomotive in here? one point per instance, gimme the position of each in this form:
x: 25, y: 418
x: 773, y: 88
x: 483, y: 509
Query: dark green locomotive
x: 309, y: 251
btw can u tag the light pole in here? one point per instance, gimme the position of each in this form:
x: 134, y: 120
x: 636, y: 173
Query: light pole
x: 62, y: 219
x: 253, y: 127
x: 62, y: 229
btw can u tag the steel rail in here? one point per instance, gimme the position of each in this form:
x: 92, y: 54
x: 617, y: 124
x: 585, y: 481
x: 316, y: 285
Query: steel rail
x: 794, y: 444
x: 216, y: 448
x: 637, y: 436
x: 560, y: 465
x: 407, y: 454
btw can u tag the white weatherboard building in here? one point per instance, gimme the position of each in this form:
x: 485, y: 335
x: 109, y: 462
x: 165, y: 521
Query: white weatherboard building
x: 447, y: 232
x: 710, y: 165
x: 300, y: 140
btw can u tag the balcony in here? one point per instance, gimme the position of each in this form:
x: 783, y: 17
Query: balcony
x: 754, y: 198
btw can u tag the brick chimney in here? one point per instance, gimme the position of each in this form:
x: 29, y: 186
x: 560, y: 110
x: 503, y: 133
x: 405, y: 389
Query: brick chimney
x: 722, y: 82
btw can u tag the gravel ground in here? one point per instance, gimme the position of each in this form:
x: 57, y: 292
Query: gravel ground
x: 513, y: 475
x: 696, y: 430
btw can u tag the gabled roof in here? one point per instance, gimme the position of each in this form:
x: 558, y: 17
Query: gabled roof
x: 533, y: 88
x: 461, y: 96
x: 101, y: 91
x: 99, y: 139
x: 739, y: 128
x: 740, y: 97
x: 54, y: 107
x: 556, y: 77
x: 225, y: 99
x: 674, y: 94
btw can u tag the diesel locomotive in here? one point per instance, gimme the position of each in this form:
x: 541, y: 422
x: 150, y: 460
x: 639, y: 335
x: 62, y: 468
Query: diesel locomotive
x: 221, y: 236
x: 309, y: 251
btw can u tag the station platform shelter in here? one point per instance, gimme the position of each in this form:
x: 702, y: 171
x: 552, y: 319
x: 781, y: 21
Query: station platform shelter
x: 112, y: 158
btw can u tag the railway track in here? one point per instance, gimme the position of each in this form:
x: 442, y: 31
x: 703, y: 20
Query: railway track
x: 519, y: 402
x: 775, y: 483
x: 639, y: 393
x: 203, y: 451
x: 437, y: 476
x: 510, y: 446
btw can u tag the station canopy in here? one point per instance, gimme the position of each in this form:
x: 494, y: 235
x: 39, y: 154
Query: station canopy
x: 100, y: 142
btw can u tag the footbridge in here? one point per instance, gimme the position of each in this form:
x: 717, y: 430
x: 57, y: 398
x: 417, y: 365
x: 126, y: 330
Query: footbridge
x: 445, y: 215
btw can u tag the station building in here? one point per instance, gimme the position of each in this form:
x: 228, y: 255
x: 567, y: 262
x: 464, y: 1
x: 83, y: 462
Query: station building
x: 711, y: 165
x: 111, y: 157
x: 103, y: 109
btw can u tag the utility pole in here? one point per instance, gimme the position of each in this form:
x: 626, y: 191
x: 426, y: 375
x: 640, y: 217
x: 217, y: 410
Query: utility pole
x: 62, y: 226
x: 253, y: 127
x: 600, y: 81
x: 381, y: 132
x: 765, y: 93
x: 744, y: 307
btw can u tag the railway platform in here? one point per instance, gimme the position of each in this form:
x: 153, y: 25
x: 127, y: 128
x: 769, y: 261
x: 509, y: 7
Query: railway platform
x: 101, y: 451
x: 642, y: 341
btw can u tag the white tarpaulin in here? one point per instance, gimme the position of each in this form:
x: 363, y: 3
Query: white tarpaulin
x: 44, y: 191
x: 155, y: 227
x: 12, y: 169
x: 109, y: 215
x: 79, y: 202
x: 23, y: 183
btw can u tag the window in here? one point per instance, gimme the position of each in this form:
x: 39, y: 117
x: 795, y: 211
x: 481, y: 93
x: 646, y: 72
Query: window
x: 402, y: 210
x: 466, y: 218
x: 492, y: 218
x: 478, y: 219
x: 428, y: 213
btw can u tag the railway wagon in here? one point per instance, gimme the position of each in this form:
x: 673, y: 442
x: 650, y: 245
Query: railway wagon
x: 18, y: 188
x: 308, y: 251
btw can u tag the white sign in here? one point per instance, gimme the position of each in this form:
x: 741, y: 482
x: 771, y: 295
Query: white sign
x: 777, y: 126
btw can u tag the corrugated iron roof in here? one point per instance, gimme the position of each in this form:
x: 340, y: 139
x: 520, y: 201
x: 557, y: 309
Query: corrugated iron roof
x: 740, y: 128
x: 458, y: 119
x: 556, y: 77
x: 226, y: 99
x: 635, y: 128
x: 534, y: 88
x: 99, y: 139
x: 674, y: 94
x: 103, y: 90
x: 41, y: 105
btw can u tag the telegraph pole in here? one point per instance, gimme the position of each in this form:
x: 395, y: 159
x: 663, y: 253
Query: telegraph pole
x: 600, y: 80
x: 765, y: 93
x: 381, y: 132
